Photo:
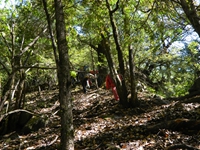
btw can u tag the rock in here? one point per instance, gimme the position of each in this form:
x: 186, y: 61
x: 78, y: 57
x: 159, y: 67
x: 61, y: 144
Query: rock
x: 34, y: 124
x: 14, y: 121
x: 195, y: 87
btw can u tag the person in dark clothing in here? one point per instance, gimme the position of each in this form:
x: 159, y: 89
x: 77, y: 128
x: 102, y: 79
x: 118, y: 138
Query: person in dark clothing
x: 84, y: 84
x: 86, y: 81
x: 82, y: 78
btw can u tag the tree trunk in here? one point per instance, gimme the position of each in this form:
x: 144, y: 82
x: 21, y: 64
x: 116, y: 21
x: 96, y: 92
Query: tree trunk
x: 134, y: 99
x: 106, y: 48
x: 50, y: 31
x: 120, y: 85
x: 191, y: 13
x: 102, y: 69
x: 7, y: 91
x: 64, y: 80
x: 20, y: 90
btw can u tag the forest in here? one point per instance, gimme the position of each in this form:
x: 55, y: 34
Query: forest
x: 55, y: 60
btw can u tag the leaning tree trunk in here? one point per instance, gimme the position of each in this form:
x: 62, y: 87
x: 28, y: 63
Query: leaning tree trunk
x: 53, y: 40
x: 120, y: 85
x: 64, y: 80
x: 191, y: 12
x: 6, y: 93
x: 108, y: 55
x: 9, y: 88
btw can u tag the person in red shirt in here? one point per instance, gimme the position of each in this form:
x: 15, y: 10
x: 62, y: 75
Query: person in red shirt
x: 111, y: 85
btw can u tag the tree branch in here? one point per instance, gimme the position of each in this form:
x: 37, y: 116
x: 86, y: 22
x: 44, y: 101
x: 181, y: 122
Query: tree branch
x: 117, y: 6
x: 32, y: 43
x: 9, y: 48
x: 51, y: 31
x: 4, y: 67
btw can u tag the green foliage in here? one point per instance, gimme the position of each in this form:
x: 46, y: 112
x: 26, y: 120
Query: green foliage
x: 20, y: 26
x: 149, y: 26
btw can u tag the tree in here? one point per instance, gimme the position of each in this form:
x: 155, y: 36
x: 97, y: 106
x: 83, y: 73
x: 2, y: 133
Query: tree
x: 67, y: 131
x: 121, y: 86
x: 190, y: 9
x: 17, y: 42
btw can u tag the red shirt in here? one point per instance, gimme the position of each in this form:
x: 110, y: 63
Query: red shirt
x: 109, y: 82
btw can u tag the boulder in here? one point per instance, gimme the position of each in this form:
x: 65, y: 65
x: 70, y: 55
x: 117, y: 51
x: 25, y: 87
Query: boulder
x: 195, y: 87
x: 14, y: 121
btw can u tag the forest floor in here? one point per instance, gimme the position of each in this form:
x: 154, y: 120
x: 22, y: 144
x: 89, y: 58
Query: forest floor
x: 101, y: 123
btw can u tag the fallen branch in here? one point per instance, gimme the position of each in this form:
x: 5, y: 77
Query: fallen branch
x: 53, y: 141
x: 17, y: 110
x: 15, y: 120
x: 192, y: 100
x: 176, y: 124
x: 180, y: 146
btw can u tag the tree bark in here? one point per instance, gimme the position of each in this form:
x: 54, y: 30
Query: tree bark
x: 64, y: 81
x: 20, y: 90
x: 134, y: 99
x: 100, y: 53
x: 120, y: 85
x: 50, y: 31
x: 107, y: 53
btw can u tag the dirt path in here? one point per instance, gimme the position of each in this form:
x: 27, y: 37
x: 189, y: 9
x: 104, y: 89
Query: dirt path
x: 101, y: 123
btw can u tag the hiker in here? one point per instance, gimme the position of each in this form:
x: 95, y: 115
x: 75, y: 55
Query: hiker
x: 73, y: 78
x: 111, y: 85
x: 86, y: 81
x: 82, y: 78
x: 80, y: 74
x: 94, y: 79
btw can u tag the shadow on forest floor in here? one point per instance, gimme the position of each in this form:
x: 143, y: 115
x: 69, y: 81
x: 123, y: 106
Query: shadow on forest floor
x: 101, y: 123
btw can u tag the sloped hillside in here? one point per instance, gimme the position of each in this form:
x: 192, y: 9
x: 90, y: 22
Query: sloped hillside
x: 101, y: 123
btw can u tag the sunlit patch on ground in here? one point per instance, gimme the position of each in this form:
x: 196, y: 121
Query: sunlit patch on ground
x: 101, y: 123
